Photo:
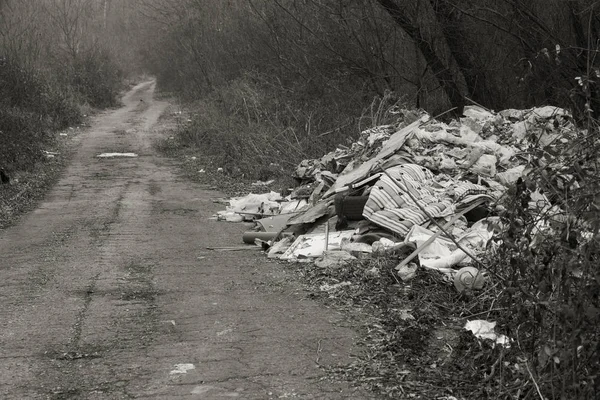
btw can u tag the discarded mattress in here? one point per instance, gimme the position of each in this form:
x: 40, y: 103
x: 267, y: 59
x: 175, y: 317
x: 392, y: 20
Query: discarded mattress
x: 409, y: 195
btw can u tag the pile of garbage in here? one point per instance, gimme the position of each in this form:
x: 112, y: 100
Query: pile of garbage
x: 421, y: 188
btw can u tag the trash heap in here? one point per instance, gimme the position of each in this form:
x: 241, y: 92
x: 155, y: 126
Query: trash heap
x: 421, y: 188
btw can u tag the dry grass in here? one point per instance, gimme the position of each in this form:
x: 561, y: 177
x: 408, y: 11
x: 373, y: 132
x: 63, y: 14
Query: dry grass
x: 412, y: 336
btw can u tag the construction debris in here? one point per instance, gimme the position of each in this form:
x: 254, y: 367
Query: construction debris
x: 314, y: 245
x: 253, y: 205
x: 419, y: 188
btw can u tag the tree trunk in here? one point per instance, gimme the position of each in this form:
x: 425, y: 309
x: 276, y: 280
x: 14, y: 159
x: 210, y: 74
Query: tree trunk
x: 444, y: 75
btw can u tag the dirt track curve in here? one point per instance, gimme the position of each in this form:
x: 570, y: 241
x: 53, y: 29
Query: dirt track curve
x: 107, y: 291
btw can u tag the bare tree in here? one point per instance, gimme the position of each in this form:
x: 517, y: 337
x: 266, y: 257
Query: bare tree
x: 448, y: 81
x: 20, y: 31
x: 74, y: 19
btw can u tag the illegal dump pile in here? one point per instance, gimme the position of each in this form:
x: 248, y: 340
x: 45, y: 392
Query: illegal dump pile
x: 502, y: 204
x: 420, y: 184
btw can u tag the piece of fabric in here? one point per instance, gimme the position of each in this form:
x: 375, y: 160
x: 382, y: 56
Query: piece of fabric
x: 410, y: 194
x: 391, y: 207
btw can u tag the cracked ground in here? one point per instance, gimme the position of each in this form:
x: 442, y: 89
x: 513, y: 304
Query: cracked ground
x: 108, y: 291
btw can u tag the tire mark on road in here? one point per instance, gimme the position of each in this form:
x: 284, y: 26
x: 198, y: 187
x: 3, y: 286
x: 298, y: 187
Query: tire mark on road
x: 80, y: 318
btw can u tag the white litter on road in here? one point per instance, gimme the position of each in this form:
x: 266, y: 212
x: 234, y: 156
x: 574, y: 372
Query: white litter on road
x: 203, y: 389
x: 113, y: 155
x: 224, y: 332
x: 182, y: 369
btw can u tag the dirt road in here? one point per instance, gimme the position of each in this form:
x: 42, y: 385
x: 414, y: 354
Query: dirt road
x: 107, y: 291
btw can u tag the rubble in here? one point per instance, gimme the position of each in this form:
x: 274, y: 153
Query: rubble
x: 419, y: 188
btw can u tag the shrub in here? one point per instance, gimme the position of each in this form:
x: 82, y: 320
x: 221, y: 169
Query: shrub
x: 31, y: 106
x: 25, y: 88
x: 97, y: 77
x: 548, y: 262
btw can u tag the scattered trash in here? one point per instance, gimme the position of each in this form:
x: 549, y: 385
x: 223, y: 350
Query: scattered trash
x: 116, y: 155
x: 469, y: 278
x: 230, y: 217
x: 407, y: 272
x: 279, y: 248
x: 251, y: 205
x: 483, y: 329
x: 263, y: 183
x: 274, y: 223
x: 312, y: 246
x: 182, y: 369
x: 329, y: 288
x: 310, y: 215
x: 382, y: 245
x: 50, y: 154
x: 292, y: 206
x: 250, y: 237
x: 234, y: 248
x: 405, y: 315
x: 357, y: 247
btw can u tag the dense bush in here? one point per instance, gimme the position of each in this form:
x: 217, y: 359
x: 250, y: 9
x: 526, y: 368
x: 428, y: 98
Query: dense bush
x: 96, y: 76
x: 257, y: 128
x: 32, y: 106
x: 26, y: 88
x: 548, y: 265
